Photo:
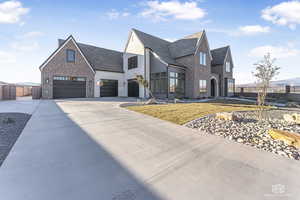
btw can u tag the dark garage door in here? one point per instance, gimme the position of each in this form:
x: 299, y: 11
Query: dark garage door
x: 133, y: 88
x: 109, y: 88
x: 69, y: 89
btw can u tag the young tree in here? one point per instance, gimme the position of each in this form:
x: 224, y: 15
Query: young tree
x: 141, y: 80
x: 265, y: 71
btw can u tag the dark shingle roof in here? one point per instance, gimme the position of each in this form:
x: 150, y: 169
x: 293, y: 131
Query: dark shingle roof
x: 169, y: 51
x: 100, y: 58
x: 158, y: 45
x: 219, y: 55
x: 185, y: 46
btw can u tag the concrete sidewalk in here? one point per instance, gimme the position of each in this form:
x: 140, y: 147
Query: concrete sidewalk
x: 22, y: 105
x: 92, y: 149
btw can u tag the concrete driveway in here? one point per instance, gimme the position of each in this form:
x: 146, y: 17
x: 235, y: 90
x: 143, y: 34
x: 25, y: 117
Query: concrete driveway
x: 92, y: 149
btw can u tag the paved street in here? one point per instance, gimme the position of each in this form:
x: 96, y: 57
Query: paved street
x: 92, y: 149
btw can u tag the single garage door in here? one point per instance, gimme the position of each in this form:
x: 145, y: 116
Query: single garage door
x: 71, y: 87
x: 109, y: 88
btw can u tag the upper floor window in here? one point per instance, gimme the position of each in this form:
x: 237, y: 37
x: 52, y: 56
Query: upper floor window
x: 202, y: 86
x: 70, y: 55
x: 202, y: 58
x: 228, y: 67
x: 132, y: 62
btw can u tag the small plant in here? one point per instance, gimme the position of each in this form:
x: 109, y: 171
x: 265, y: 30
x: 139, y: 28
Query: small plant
x: 141, y: 80
x: 265, y: 71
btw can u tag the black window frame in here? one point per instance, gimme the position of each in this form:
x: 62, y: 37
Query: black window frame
x: 178, y: 80
x: 67, y: 55
x: 132, y: 62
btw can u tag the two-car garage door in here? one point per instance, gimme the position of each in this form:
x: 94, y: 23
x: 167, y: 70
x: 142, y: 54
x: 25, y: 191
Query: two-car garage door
x: 69, y: 87
x: 75, y: 87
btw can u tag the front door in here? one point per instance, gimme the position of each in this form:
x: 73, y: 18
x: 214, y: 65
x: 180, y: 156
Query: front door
x: 133, y: 88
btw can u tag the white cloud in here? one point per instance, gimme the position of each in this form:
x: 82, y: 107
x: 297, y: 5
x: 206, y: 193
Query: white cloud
x: 285, y: 14
x: 114, y: 14
x: 33, y: 34
x: 275, y: 51
x: 25, y: 46
x: 7, y: 57
x: 11, y: 12
x: 161, y: 11
x: 253, y: 29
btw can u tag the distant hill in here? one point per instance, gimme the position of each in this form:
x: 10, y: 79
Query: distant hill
x: 2, y: 83
x: 28, y: 84
x: 291, y: 81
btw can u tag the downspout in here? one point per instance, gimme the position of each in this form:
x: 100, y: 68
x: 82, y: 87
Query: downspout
x: 145, y: 70
x: 168, y: 82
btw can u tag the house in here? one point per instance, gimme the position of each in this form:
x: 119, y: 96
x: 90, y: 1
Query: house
x: 185, y: 68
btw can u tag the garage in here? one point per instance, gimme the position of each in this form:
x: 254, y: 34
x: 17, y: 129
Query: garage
x: 133, y: 88
x: 109, y: 88
x: 69, y: 87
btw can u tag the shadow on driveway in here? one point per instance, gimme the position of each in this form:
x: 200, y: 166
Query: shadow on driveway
x: 65, y: 163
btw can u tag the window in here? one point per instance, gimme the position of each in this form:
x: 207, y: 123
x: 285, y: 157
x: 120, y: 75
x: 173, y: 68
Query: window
x: 158, y: 82
x: 202, y: 58
x: 202, y: 86
x: 61, y: 78
x: 176, y: 83
x: 228, y: 67
x: 70, y: 55
x: 230, y: 85
x: 132, y: 62
x: 68, y: 78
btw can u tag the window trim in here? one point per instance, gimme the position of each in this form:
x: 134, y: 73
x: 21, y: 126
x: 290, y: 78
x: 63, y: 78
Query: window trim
x: 67, y: 54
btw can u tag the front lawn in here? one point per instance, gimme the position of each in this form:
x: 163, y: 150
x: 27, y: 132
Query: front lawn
x: 182, y: 113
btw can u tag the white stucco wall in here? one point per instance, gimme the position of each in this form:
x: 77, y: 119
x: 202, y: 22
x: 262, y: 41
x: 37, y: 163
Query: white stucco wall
x: 122, y: 87
x: 134, y: 45
x: 132, y: 73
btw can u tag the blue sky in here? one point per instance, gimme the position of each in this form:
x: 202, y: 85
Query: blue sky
x: 29, y: 29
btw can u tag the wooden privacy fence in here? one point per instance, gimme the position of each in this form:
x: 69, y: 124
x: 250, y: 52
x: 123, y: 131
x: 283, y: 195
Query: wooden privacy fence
x: 22, y: 91
x: 36, y: 92
x: 7, y: 92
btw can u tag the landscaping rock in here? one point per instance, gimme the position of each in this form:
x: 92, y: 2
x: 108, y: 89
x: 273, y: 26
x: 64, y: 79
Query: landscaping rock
x: 11, y: 126
x: 226, y: 116
x: 285, y: 136
x: 248, y: 131
x: 292, y: 118
x: 292, y: 105
x: 151, y: 101
x: 178, y: 101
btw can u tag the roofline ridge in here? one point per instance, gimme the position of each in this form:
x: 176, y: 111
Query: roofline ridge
x: 133, y: 29
x: 227, y: 46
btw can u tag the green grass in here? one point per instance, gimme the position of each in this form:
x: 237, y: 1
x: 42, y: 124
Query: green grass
x: 182, y: 113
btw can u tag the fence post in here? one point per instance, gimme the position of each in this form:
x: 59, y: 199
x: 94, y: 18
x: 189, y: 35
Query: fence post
x: 287, y: 89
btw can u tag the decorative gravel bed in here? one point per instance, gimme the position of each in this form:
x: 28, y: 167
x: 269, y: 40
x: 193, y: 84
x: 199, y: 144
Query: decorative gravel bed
x: 248, y: 131
x: 11, y: 126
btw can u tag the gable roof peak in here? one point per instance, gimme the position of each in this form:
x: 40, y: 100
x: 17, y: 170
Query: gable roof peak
x: 195, y: 35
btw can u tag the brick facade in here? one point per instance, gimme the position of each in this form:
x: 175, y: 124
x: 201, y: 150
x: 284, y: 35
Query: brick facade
x: 58, y: 66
